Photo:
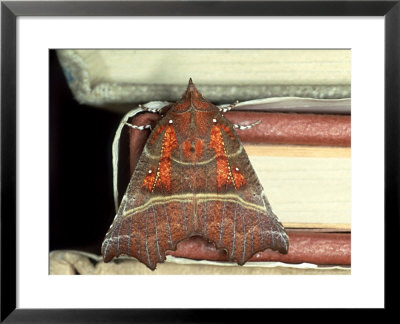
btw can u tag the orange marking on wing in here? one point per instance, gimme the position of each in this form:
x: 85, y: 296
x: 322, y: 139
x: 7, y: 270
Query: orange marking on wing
x: 169, y: 144
x: 149, y: 179
x: 198, y: 149
x: 187, y: 149
x: 217, y: 144
x: 227, y: 130
x: 238, y: 178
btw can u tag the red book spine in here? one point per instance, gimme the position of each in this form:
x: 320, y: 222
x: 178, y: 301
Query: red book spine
x: 292, y: 128
x: 305, y: 246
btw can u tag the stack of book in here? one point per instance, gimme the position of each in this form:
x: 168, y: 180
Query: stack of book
x: 303, y: 162
x: 301, y: 150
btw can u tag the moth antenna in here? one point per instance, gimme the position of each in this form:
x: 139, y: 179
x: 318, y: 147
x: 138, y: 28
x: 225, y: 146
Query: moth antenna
x: 229, y: 107
x: 243, y: 127
x: 143, y: 127
x: 152, y: 110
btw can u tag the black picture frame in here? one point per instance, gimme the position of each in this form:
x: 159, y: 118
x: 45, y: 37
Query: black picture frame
x: 10, y: 11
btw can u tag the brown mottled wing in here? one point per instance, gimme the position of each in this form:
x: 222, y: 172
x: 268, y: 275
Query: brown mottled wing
x: 193, y: 178
x: 239, y: 218
x: 147, y: 222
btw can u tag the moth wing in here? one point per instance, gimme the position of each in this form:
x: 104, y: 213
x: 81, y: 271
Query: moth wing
x: 145, y: 226
x: 240, y: 219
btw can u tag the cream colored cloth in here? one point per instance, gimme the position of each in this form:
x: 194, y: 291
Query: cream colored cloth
x: 75, y: 262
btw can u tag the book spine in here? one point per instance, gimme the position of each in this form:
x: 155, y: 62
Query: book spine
x: 305, y: 247
x: 293, y: 128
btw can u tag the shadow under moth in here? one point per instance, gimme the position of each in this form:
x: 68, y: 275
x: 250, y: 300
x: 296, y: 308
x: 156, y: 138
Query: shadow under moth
x: 193, y: 178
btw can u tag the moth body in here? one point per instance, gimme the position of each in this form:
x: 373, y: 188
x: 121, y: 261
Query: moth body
x: 193, y: 178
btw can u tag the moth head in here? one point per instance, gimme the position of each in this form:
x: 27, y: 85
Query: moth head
x: 192, y: 92
x: 193, y: 99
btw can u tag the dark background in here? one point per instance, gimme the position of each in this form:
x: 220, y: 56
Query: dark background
x: 81, y: 197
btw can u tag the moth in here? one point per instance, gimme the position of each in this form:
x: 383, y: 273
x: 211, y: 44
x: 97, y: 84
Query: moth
x: 193, y: 178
